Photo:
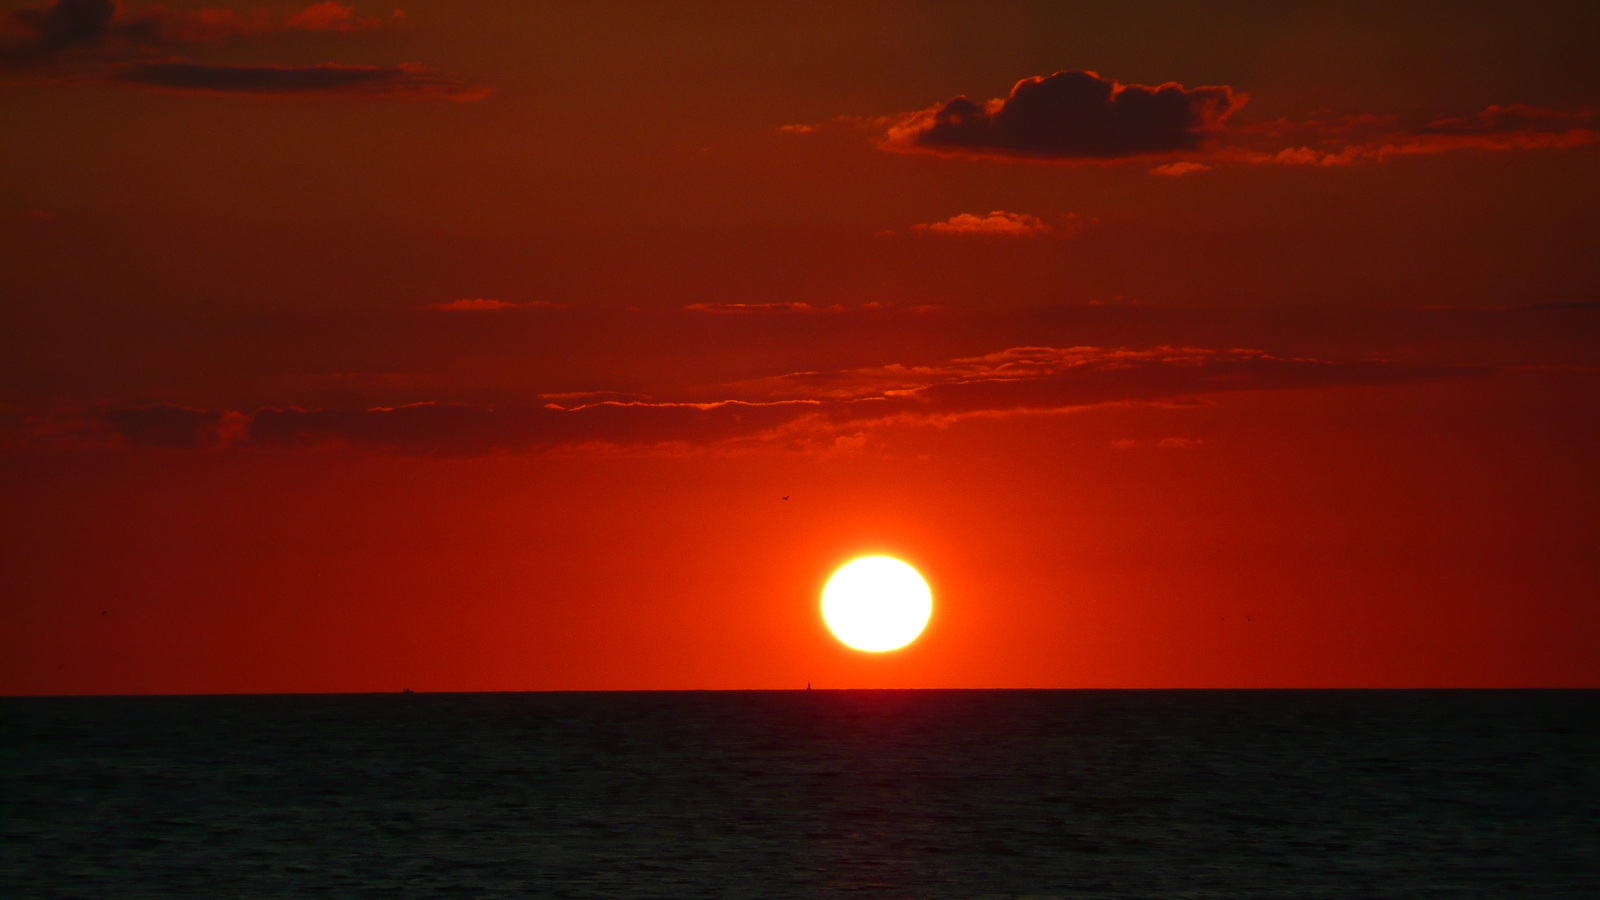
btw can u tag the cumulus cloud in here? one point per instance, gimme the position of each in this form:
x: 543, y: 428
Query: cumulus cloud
x: 329, y: 78
x: 804, y: 407
x: 1070, y: 116
x: 996, y: 224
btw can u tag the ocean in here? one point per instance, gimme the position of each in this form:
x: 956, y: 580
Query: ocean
x: 773, y: 794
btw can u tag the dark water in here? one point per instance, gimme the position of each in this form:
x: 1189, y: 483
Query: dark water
x: 827, y: 794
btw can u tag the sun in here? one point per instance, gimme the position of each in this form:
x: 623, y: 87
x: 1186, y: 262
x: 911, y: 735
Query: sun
x: 876, y: 603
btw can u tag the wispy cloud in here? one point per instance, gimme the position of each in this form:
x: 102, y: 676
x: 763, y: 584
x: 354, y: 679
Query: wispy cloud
x: 1354, y: 140
x: 1171, y: 443
x: 481, y: 305
x: 759, y: 308
x: 329, y: 78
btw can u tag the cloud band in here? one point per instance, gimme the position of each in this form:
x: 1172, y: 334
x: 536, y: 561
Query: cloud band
x: 771, y: 412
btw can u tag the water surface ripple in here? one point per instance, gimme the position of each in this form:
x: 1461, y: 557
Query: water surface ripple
x: 861, y: 794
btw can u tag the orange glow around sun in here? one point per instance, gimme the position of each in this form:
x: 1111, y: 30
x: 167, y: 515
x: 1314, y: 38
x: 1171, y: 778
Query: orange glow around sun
x: 876, y: 603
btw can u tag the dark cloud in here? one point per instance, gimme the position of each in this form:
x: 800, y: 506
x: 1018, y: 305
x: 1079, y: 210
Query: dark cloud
x: 329, y: 78
x: 1070, y: 116
x: 171, y: 427
x: 41, y: 32
x: 105, y: 29
x: 101, y: 34
x: 68, y: 23
x: 802, y: 409
x: 1080, y: 116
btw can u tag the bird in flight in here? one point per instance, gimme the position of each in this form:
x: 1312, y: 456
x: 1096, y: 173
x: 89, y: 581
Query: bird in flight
x: 785, y: 496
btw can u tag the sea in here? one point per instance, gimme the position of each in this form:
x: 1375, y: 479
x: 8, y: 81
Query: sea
x: 777, y: 794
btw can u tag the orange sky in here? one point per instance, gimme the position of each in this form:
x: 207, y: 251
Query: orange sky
x: 473, y: 347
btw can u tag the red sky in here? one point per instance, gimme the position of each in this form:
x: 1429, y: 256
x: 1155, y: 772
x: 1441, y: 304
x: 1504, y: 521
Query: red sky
x: 472, y: 347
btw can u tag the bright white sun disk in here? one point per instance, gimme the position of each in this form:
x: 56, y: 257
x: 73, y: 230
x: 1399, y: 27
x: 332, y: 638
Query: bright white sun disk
x: 876, y: 603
